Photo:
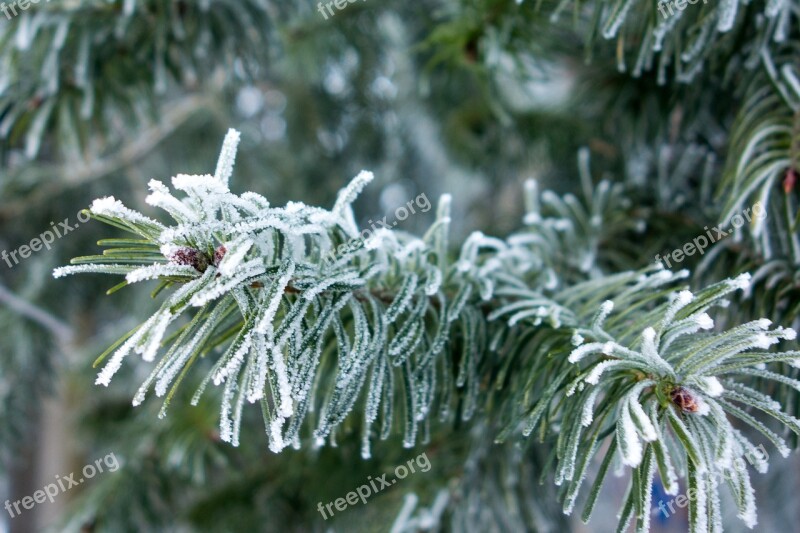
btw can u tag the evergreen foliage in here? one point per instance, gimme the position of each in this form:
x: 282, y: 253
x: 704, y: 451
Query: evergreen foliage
x: 529, y: 366
x: 394, y: 331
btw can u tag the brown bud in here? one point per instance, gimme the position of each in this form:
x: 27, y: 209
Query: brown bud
x: 684, y: 400
x: 219, y: 253
x: 789, y: 181
x: 191, y: 257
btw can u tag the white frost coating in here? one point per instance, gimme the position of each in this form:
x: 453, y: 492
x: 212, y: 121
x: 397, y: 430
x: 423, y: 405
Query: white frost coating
x: 234, y: 256
x: 162, y: 198
x: 257, y: 202
x: 573, y: 388
x: 551, y: 281
x: 649, y: 348
x: 748, y: 514
x: 149, y: 350
x: 276, y: 443
x: 587, y: 414
x: 602, y: 314
x: 167, y: 374
x: 787, y: 71
x: 727, y: 15
x: 284, y: 388
x: 713, y: 387
x: 433, y: 282
x: 260, y: 347
x: 762, y: 323
x: 225, y: 423
x: 583, y: 350
x: 531, y: 218
x: 412, y: 246
x: 168, y: 249
x: 619, y: 17
x: 486, y: 290
x: 199, y: 184
x: 725, y: 456
x: 704, y: 321
x: 597, y: 371
x: 227, y: 156
x: 608, y: 348
x: 111, y: 207
x: 322, y: 285
x: 108, y: 205
x: 629, y: 444
x: 272, y: 307
x: 464, y: 265
x: 115, y: 363
x: 374, y: 242
x: 157, y: 270
x: 199, y: 230
x: 409, y: 248
x: 353, y: 189
x: 563, y: 224
x: 647, y: 430
x: 479, y: 240
x: 233, y: 365
x: 683, y: 298
x: 216, y: 289
x: 742, y: 281
x: 699, y: 520
x: 671, y: 485
x: 531, y: 196
x: 85, y: 269
x: 291, y: 226
x: 703, y: 409
x: 764, y: 341
x: 577, y: 339
x: 190, y: 287
x: 492, y: 264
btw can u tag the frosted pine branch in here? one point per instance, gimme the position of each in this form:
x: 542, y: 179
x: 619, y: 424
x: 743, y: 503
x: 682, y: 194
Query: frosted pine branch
x: 406, y: 331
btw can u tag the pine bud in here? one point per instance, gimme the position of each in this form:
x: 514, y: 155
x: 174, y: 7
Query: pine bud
x: 789, y: 181
x: 219, y: 253
x: 189, y: 256
x: 684, y: 400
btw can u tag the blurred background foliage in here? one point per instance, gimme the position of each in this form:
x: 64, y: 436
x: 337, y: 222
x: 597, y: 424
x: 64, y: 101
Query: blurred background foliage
x: 468, y: 97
